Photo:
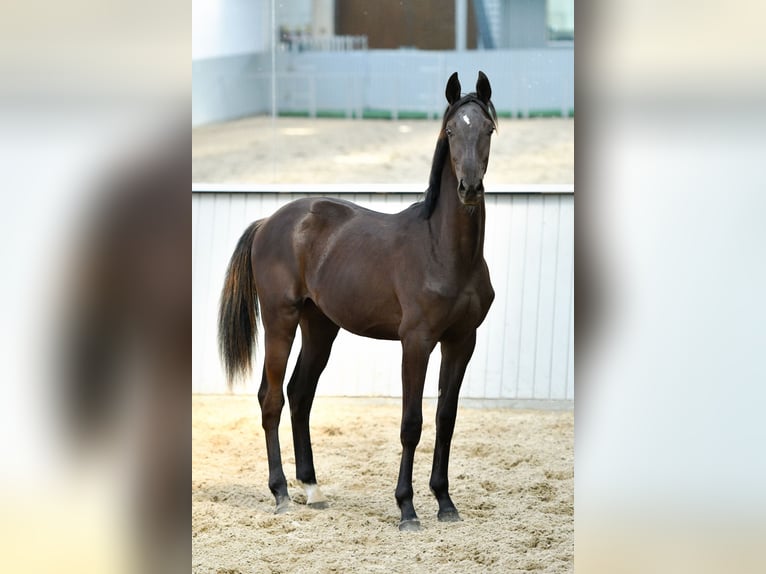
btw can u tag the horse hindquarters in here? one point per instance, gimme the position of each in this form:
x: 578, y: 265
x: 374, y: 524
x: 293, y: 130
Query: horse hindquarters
x: 275, y: 276
x: 278, y: 260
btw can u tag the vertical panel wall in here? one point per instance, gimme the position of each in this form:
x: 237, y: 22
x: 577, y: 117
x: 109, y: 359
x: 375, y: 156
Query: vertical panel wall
x: 524, y: 349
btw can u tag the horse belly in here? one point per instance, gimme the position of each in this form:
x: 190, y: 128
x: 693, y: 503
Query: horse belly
x: 361, y: 307
x: 349, y: 270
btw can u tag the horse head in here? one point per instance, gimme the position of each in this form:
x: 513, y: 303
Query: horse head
x: 469, y: 123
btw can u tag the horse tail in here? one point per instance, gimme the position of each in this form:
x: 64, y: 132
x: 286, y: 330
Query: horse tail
x: 238, y: 312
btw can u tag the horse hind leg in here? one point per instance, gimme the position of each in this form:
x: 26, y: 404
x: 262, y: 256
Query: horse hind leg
x: 279, y: 337
x: 317, y: 336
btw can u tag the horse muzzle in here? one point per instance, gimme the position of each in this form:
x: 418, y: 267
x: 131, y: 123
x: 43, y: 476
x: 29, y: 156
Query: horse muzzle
x: 470, y: 193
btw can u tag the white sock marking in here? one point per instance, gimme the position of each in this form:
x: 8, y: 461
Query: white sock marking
x: 313, y: 494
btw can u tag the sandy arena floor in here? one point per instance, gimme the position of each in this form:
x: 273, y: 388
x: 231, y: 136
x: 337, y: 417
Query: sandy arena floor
x: 511, y: 478
x: 299, y: 150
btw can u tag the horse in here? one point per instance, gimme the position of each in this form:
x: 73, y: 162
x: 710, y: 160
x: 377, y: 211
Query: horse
x: 418, y: 276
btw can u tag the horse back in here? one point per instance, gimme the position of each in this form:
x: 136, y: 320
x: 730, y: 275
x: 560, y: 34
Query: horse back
x: 329, y: 250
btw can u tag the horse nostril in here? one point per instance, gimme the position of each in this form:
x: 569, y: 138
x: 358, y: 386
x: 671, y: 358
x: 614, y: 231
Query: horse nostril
x: 470, y: 192
x: 473, y: 190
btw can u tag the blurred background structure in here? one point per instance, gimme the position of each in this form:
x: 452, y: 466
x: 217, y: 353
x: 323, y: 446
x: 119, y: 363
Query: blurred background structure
x: 389, y: 58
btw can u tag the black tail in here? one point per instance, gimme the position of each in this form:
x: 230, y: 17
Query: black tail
x: 238, y: 311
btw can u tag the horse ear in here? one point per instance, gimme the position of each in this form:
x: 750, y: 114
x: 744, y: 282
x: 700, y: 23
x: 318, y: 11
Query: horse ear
x: 453, y: 89
x: 483, y: 89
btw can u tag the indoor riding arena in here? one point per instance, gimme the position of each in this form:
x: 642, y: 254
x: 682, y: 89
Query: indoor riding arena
x: 345, y: 99
x: 512, y: 462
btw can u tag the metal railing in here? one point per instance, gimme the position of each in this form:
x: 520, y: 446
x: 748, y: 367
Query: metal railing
x: 297, y: 42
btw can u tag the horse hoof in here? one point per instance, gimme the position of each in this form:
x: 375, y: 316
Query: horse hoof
x: 282, y: 506
x: 449, y: 516
x: 412, y: 525
x: 321, y: 505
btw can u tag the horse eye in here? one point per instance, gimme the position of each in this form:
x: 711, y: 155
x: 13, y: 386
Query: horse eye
x: 448, y: 131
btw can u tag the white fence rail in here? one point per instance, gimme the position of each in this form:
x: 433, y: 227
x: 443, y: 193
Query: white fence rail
x: 525, y: 348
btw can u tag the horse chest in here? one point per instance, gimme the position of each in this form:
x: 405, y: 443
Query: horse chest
x: 458, y: 305
x: 470, y: 309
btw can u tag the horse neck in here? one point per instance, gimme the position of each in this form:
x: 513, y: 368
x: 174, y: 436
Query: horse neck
x: 457, y: 231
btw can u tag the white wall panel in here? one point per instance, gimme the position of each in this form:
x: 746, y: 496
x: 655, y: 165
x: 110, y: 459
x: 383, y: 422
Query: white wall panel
x: 226, y: 27
x: 512, y: 289
x: 524, y: 348
x: 549, y: 232
x: 562, y: 358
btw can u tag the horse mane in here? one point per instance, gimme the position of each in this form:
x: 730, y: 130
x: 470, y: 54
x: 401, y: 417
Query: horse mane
x: 442, y: 150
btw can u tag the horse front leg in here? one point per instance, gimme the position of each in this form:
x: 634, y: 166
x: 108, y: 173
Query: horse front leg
x: 455, y: 357
x: 415, y: 353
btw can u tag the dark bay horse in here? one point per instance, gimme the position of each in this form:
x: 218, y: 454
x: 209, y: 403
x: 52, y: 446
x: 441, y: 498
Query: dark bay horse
x: 418, y: 276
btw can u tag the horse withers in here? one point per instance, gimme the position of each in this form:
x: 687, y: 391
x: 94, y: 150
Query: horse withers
x: 418, y: 276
